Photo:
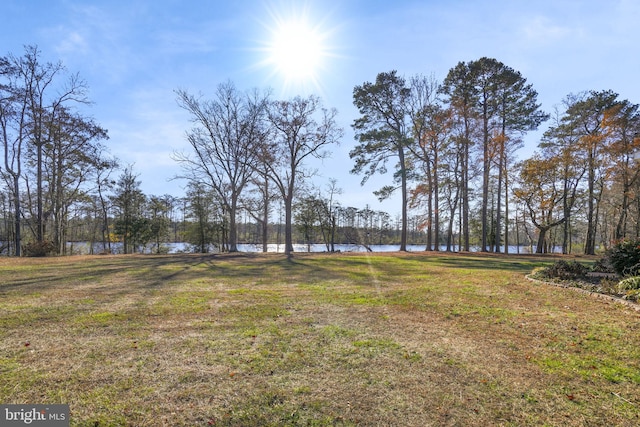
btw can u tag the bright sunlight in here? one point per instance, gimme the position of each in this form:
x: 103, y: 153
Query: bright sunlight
x: 296, y: 49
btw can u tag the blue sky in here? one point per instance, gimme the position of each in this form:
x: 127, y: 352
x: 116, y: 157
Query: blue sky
x: 134, y: 54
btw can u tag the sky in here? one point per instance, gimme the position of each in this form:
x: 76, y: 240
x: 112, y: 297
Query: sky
x: 135, y: 54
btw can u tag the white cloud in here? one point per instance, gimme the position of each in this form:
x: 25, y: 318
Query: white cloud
x: 72, y: 42
x: 541, y: 30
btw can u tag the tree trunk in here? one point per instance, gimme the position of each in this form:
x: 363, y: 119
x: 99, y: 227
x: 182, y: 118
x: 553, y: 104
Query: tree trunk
x: 506, y: 213
x: 18, y: 222
x: 233, y: 229
x: 542, y: 236
x: 429, y: 209
x: 436, y: 202
x: 465, y: 192
x: 403, y: 172
x: 333, y: 233
x: 39, y: 212
x: 590, y: 241
x: 485, y: 175
x: 288, y: 213
x: 265, y: 230
x: 501, y: 162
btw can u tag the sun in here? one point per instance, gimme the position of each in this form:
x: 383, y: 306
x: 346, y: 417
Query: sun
x: 296, y: 49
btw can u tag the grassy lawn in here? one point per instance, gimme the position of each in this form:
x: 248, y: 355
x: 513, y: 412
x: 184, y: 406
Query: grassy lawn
x: 346, y: 340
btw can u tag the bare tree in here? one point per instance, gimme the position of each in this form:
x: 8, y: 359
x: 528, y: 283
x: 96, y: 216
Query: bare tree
x: 297, y: 136
x: 70, y: 158
x: 261, y: 196
x: 48, y: 104
x: 13, y: 119
x: 43, y: 131
x: 224, y: 138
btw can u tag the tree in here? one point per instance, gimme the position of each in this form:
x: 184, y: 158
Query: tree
x: 432, y: 124
x: 224, y: 139
x: 158, y: 221
x: 13, y: 120
x: 383, y: 133
x: 261, y: 195
x: 48, y: 106
x: 129, y: 201
x: 496, y: 97
x: 517, y: 113
x: 328, y: 214
x: 201, y: 231
x: 622, y: 125
x: 316, y: 215
x: 484, y: 73
x: 306, y: 218
x: 45, y: 139
x: 70, y: 158
x: 105, y: 183
x: 462, y: 96
x: 297, y: 136
x: 560, y: 145
x: 451, y: 178
x: 585, y: 117
x: 539, y: 192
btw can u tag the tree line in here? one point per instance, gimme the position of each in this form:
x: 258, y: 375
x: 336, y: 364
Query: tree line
x: 453, y: 145
x: 450, y: 144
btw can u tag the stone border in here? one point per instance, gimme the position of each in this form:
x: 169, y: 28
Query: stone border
x: 629, y: 304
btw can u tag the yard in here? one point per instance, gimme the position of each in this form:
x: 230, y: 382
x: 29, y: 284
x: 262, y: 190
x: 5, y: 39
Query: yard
x: 402, y: 339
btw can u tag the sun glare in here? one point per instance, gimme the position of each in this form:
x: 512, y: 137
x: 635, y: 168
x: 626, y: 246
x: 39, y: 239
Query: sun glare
x: 296, y: 50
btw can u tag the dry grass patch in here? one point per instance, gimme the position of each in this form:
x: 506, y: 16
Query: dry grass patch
x: 351, y: 339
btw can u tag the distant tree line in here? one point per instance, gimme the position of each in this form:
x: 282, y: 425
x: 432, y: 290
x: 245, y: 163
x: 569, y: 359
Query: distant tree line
x: 450, y: 144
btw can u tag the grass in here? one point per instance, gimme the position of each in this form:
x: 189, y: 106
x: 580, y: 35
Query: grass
x: 324, y: 340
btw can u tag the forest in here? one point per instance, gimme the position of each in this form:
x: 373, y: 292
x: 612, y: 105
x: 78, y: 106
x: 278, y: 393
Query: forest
x: 451, y: 147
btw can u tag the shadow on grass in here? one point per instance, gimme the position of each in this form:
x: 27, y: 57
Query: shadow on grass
x: 156, y: 271
x: 513, y: 263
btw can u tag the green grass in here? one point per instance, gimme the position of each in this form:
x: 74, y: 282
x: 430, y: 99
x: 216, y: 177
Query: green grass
x: 322, y: 340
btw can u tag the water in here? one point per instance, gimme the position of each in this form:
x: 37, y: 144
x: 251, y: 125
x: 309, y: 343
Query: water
x: 360, y: 248
x: 82, y: 248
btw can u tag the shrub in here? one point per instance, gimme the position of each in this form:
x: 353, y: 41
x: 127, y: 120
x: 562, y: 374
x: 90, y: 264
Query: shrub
x: 603, y: 265
x: 565, y: 270
x: 39, y: 249
x: 608, y: 286
x: 624, y: 257
x: 629, y: 284
x: 632, y: 295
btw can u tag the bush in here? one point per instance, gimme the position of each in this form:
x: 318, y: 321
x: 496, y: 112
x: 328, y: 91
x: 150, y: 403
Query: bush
x: 608, y: 286
x: 566, y: 270
x: 632, y: 295
x: 603, y: 265
x: 38, y: 249
x: 629, y: 284
x: 624, y: 257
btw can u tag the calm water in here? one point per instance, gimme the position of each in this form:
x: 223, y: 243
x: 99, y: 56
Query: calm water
x: 83, y: 248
